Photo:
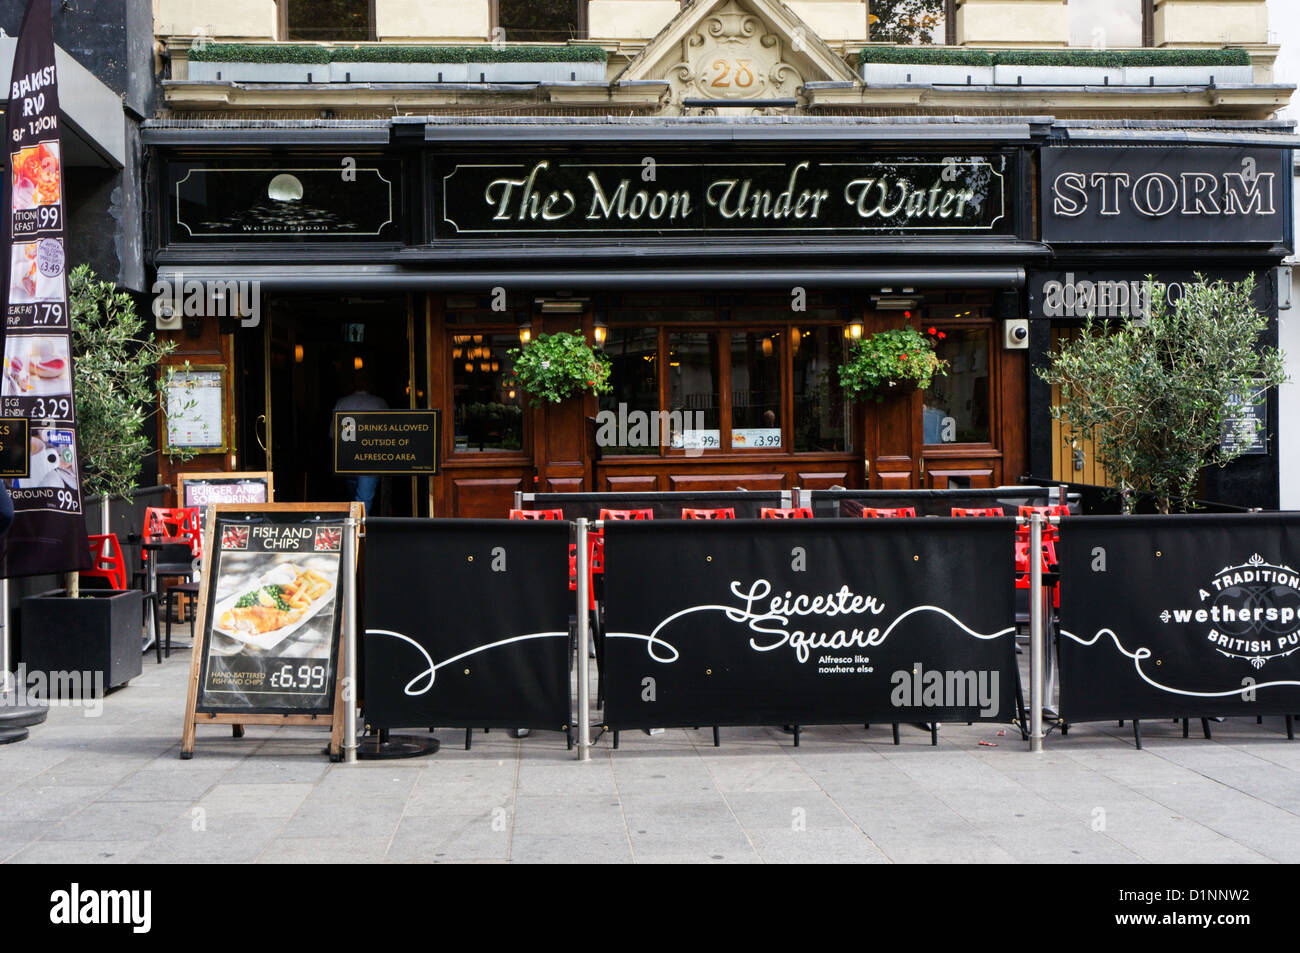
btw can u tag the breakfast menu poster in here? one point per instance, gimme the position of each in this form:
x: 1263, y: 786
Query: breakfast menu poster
x: 49, y: 533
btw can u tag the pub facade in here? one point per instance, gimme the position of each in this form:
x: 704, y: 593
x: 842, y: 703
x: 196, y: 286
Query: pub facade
x: 723, y: 204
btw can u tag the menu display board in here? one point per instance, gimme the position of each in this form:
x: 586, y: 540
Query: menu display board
x: 1247, y: 425
x: 267, y: 643
x: 195, y: 409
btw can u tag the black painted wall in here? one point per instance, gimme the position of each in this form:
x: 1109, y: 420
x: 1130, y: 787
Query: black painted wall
x: 114, y: 40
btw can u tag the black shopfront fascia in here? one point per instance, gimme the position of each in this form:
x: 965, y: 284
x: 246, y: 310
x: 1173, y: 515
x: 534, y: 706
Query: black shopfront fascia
x: 416, y: 252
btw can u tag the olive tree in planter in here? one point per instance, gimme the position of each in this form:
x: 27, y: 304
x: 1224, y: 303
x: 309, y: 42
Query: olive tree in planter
x: 1157, y: 395
x: 115, y: 387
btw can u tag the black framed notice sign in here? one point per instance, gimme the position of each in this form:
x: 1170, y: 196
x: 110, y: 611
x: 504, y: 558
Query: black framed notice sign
x: 270, y: 615
x: 379, y: 442
x: 15, y: 447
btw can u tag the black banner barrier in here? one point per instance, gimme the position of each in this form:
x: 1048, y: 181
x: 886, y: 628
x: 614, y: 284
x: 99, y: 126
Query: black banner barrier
x: 467, y: 623
x: 829, y: 504
x: 666, y: 506
x: 1180, y: 616
x: 808, y: 622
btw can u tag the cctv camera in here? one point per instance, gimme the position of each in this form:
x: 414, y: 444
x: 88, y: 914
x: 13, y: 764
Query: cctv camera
x: 1015, y: 334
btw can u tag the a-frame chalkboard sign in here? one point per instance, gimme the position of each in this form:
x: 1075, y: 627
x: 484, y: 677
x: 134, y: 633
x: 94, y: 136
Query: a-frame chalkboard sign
x: 268, y: 637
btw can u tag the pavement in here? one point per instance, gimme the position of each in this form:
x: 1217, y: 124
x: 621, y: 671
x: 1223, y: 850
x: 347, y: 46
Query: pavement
x: 112, y: 789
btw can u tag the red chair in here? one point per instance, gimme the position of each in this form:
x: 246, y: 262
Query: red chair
x: 178, y: 525
x: 627, y: 514
x: 1050, y: 532
x: 107, y: 562
x: 978, y: 511
x: 785, y: 513
x: 723, y: 513
x: 889, y: 513
x: 537, y: 514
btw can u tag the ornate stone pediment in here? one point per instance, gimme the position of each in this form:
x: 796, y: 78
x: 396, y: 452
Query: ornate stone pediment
x: 735, y: 51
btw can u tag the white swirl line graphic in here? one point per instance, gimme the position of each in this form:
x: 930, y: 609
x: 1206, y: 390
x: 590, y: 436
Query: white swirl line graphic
x: 429, y: 674
x: 739, y: 615
x: 1144, y: 653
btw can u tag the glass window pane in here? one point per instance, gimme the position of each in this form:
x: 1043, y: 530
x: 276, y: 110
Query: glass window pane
x: 755, y: 390
x: 907, y: 21
x: 538, y: 21
x: 488, y: 406
x: 820, y: 406
x: 693, y: 390
x: 1105, y: 24
x: 956, y: 406
x: 633, y: 403
x: 342, y: 20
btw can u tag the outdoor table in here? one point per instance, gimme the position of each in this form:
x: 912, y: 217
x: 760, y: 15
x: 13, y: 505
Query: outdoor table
x: 152, y: 546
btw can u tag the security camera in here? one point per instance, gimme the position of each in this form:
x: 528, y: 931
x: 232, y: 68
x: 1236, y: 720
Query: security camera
x: 1015, y: 335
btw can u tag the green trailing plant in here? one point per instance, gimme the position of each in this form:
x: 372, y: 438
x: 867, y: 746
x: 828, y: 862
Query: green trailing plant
x: 1158, y: 395
x: 116, y: 383
x: 902, y: 357
x: 553, y: 367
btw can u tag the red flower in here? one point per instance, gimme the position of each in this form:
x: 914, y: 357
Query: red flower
x: 942, y: 335
x: 902, y: 357
x: 591, y: 383
x: 932, y: 331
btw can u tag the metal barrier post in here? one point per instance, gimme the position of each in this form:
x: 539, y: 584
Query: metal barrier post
x: 1036, y: 632
x: 349, y: 713
x: 5, y: 659
x: 583, y: 572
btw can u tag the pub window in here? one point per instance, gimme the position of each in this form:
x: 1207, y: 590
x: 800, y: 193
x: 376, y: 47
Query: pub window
x: 756, y: 390
x: 1110, y: 24
x: 540, y: 21
x: 694, y: 390
x: 956, y: 407
x: 912, y: 22
x: 634, y: 389
x: 820, y: 407
x: 340, y: 21
x: 488, y: 405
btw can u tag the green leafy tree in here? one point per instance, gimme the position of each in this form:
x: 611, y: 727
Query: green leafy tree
x: 115, y: 370
x: 906, y: 21
x: 1159, y: 394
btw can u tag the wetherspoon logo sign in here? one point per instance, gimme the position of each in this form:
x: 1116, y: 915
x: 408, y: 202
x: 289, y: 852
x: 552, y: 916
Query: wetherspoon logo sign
x: 563, y: 195
x: 1141, y: 195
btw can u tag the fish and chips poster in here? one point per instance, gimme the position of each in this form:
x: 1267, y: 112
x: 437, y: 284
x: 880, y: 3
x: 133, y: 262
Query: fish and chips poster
x: 272, y: 619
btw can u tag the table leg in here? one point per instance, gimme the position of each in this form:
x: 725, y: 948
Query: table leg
x: 151, y: 580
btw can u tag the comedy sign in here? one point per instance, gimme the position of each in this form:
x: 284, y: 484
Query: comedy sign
x: 757, y: 622
x: 1180, y: 616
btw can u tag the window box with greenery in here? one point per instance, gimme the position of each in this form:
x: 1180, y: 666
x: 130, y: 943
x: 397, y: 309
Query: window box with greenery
x: 116, y: 394
x: 1158, y: 395
x: 888, y: 363
x: 385, y: 62
x: 554, y: 367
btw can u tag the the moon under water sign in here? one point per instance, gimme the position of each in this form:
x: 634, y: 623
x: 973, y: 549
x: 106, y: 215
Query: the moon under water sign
x: 1251, y: 611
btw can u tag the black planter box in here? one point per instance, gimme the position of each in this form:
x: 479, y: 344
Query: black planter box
x: 98, y: 632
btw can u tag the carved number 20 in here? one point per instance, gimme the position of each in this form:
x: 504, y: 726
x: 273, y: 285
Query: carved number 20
x: 744, y: 78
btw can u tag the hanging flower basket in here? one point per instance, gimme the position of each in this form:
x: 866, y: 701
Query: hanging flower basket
x: 890, y: 363
x: 554, y: 367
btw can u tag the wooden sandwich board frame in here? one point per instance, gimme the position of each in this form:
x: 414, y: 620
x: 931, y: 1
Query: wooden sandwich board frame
x: 334, y: 718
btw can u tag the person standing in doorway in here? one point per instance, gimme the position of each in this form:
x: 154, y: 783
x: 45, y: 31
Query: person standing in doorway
x: 361, y: 488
